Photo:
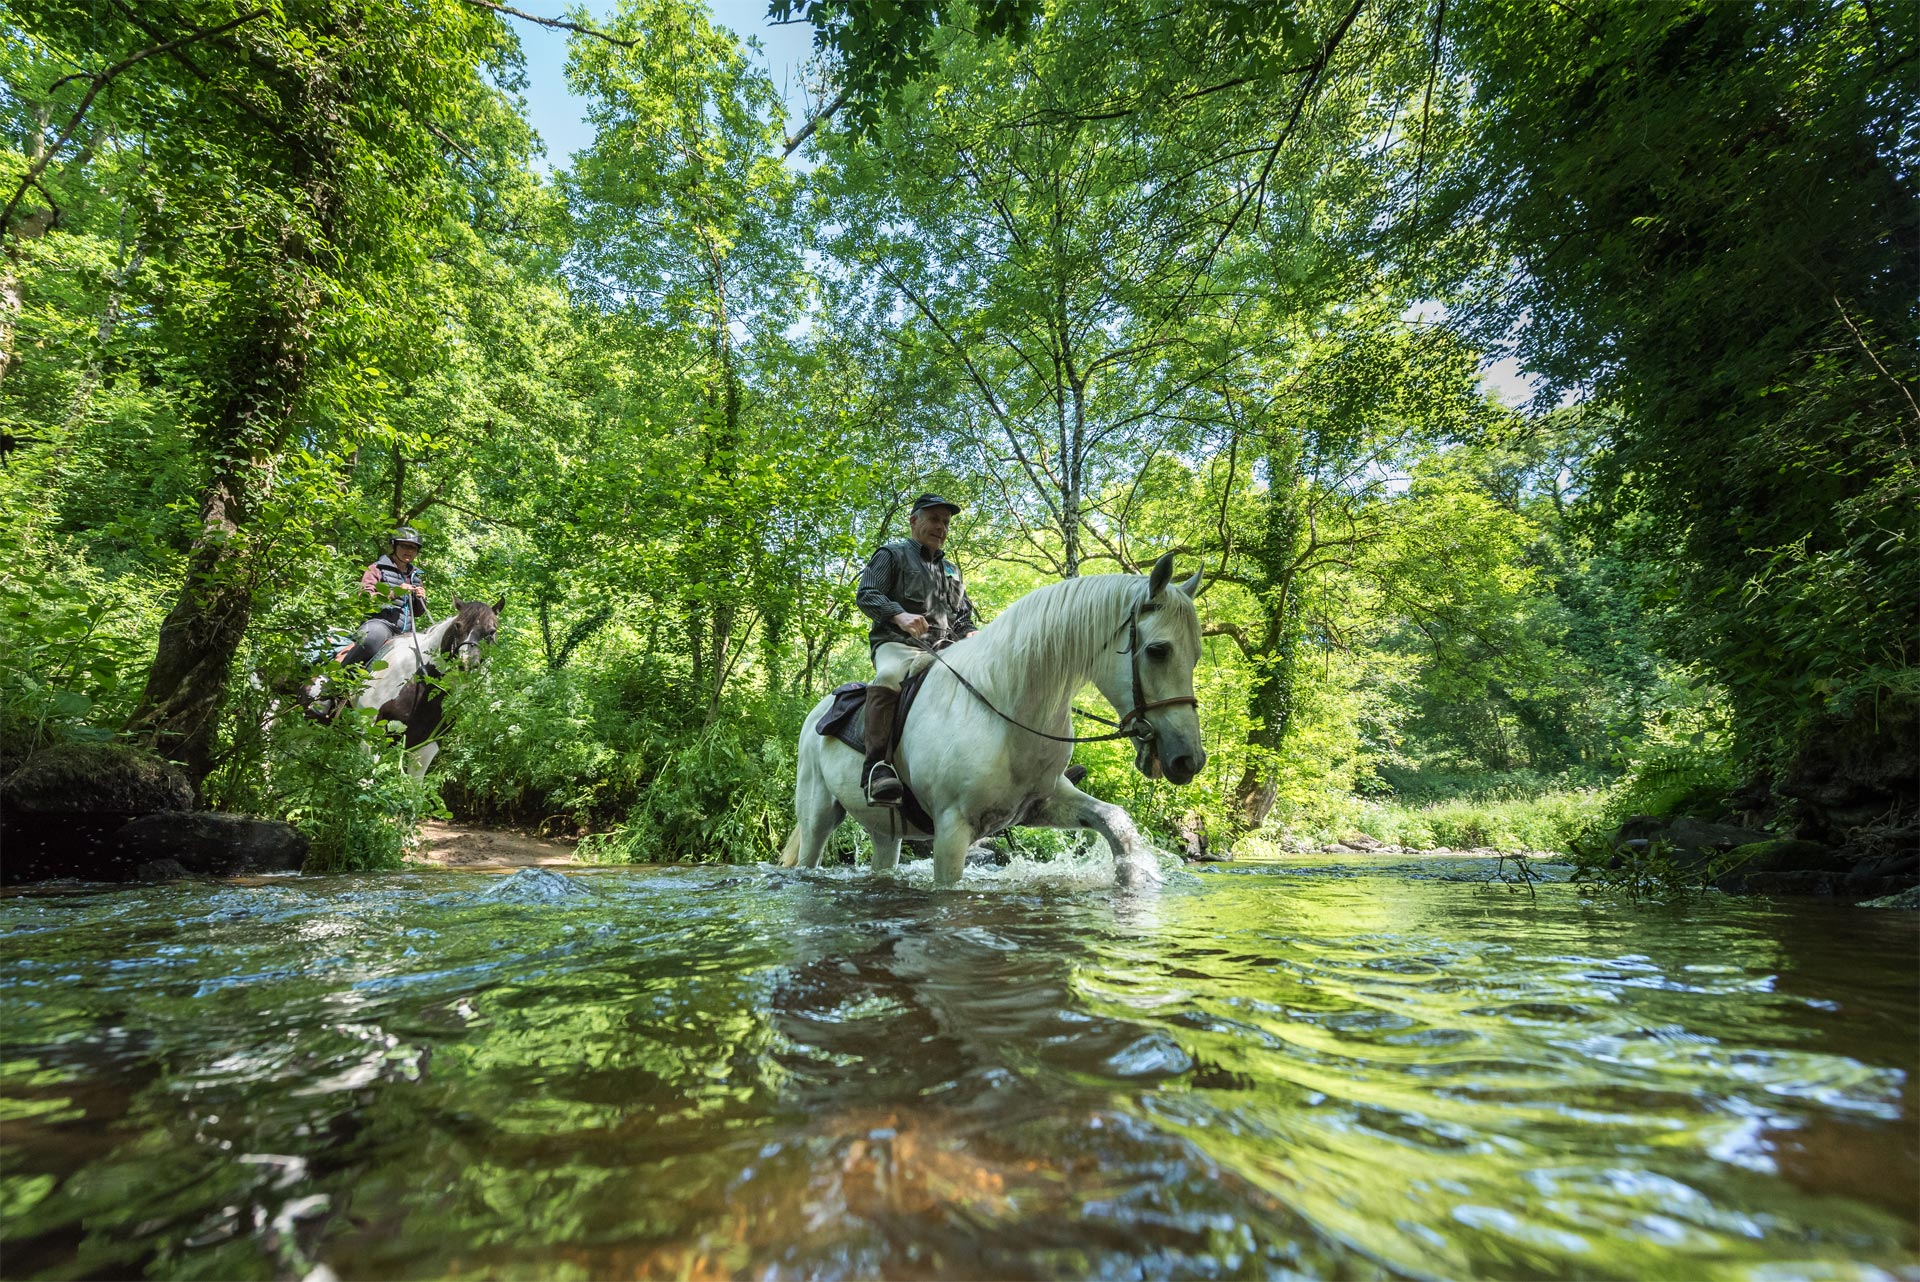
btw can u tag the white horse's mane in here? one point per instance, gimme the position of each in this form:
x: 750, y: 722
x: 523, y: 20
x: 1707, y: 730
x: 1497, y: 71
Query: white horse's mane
x: 1048, y: 640
x: 403, y: 658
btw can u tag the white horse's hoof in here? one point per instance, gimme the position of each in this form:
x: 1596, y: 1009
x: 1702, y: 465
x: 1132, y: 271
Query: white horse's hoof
x: 1141, y: 871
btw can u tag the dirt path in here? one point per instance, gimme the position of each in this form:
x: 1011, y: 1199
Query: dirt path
x: 469, y: 846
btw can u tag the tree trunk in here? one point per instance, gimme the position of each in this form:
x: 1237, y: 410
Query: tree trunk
x: 1272, y: 558
x: 721, y: 570
x: 259, y: 389
x: 697, y: 643
x: 1270, y: 705
x: 186, y: 687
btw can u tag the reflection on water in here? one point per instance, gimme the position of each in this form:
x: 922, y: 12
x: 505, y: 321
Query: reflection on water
x: 645, y: 1073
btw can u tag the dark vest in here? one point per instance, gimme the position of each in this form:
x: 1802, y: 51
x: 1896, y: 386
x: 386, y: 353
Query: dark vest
x: 901, y: 574
x: 399, y: 583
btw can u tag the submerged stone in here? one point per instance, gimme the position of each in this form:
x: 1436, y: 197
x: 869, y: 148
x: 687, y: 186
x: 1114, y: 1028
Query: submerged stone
x: 215, y: 845
x: 535, y: 886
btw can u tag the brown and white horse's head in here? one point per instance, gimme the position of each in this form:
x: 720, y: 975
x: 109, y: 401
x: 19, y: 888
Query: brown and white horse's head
x: 475, y: 624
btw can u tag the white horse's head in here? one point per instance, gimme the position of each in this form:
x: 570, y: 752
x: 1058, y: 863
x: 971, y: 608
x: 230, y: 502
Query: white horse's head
x: 1148, y: 676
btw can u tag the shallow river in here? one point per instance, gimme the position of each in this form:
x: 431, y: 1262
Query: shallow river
x: 1320, y: 1070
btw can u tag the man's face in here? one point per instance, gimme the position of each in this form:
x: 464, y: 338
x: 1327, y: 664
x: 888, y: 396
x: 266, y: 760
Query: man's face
x: 403, y: 553
x: 929, y: 527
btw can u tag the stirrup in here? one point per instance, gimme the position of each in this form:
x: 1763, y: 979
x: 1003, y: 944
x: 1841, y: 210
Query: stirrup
x: 883, y: 785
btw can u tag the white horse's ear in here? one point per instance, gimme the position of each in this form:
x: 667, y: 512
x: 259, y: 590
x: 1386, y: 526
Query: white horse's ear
x: 501, y: 604
x: 1162, y: 575
x: 1191, y: 586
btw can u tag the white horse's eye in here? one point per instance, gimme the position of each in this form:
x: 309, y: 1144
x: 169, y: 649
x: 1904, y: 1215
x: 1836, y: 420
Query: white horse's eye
x: 1160, y: 651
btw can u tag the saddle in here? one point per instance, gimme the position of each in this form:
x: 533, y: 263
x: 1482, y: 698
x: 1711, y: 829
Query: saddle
x: 846, y: 720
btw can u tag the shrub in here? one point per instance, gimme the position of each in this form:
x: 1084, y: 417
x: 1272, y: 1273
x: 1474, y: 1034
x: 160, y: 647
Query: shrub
x: 74, y: 646
x: 725, y: 796
x: 543, y: 746
x: 1672, y: 779
x: 346, y: 786
x: 1549, y: 821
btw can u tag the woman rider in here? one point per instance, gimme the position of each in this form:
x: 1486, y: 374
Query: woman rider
x: 396, y: 582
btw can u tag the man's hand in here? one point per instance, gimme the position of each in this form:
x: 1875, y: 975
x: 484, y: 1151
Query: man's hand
x: 914, y: 625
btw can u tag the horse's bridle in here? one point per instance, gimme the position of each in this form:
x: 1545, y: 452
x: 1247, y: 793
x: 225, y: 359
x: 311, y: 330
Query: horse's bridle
x: 1133, y: 724
x: 468, y: 642
x: 457, y: 651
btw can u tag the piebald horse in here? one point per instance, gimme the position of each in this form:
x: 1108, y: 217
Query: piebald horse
x: 977, y: 773
x: 399, y: 692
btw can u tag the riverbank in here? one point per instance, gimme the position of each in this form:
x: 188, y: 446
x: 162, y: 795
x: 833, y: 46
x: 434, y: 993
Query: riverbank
x: 474, y: 848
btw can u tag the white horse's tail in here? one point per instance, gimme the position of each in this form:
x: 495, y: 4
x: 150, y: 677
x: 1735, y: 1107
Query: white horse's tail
x: 790, y: 853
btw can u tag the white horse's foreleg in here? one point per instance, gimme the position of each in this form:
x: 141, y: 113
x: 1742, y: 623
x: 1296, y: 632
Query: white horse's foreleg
x: 1068, y: 807
x: 420, y: 758
x: 952, y: 836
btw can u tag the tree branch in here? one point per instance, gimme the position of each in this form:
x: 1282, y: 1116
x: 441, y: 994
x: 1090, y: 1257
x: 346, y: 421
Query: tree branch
x: 558, y: 23
x: 825, y: 115
x: 100, y: 81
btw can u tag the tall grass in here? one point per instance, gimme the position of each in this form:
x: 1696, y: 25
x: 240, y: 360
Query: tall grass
x: 1545, y: 821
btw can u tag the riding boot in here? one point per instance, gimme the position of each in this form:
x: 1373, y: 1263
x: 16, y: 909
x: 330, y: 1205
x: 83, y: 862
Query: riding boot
x: 883, y: 785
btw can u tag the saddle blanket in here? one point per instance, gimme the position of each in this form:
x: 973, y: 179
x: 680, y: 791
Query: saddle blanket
x: 846, y: 720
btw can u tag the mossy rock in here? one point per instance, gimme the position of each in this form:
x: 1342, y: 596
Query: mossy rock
x: 60, y: 811
x: 1783, y: 854
x: 1908, y: 898
x: 1783, y: 865
x: 213, y: 845
x: 96, y: 778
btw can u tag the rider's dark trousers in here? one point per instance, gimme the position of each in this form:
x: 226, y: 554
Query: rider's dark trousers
x: 374, y: 634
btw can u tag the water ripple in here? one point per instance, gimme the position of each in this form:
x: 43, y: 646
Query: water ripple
x: 1291, y: 1072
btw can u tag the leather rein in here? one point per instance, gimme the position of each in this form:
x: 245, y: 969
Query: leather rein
x: 1132, y: 725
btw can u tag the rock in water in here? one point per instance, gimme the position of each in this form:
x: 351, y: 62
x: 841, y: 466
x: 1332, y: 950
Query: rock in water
x: 214, y: 845
x: 535, y: 886
x: 62, y: 810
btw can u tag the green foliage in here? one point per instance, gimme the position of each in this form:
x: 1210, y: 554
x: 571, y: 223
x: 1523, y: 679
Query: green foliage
x: 543, y: 747
x: 723, y: 796
x: 73, y: 644
x: 882, y: 45
x: 1669, y: 782
x: 1651, y: 873
x: 1543, y: 821
x: 1704, y: 216
x: 347, y: 786
x: 1127, y: 275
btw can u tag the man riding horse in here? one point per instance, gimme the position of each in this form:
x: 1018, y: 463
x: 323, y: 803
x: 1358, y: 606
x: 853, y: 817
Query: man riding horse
x: 396, y: 582
x: 918, y: 604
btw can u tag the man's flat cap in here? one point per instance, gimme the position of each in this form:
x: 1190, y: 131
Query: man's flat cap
x: 926, y: 501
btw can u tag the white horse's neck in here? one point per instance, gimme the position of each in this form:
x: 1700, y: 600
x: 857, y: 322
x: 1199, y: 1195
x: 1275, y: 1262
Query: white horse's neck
x: 1043, y: 648
x: 404, y: 657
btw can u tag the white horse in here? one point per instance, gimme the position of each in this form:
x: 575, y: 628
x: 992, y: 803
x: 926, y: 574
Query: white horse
x: 395, y: 694
x: 977, y: 773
